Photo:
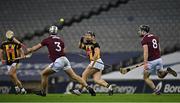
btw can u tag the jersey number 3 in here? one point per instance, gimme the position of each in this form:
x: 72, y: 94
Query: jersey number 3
x: 155, y: 44
x: 58, y: 46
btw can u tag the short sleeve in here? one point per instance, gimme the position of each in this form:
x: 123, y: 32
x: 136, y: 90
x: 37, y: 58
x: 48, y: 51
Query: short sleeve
x: 144, y: 41
x: 44, y: 42
x: 96, y: 45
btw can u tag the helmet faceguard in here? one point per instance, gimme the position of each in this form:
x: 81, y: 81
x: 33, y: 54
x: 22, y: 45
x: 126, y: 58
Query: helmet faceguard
x: 89, y: 36
x: 53, y: 30
x: 143, y: 29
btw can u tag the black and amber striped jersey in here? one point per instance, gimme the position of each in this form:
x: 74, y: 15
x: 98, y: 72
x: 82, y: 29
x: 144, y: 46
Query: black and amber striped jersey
x: 89, y: 48
x: 11, y: 50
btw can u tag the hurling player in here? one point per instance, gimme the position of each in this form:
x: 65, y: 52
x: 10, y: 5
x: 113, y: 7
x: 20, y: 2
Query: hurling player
x: 10, y: 50
x: 59, y: 61
x: 152, y: 57
x: 96, y: 66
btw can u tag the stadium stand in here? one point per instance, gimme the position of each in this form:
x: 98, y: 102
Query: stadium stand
x: 117, y: 26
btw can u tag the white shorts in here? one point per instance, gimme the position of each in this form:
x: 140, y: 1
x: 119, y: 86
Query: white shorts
x: 10, y: 66
x: 61, y: 63
x: 155, y: 65
x: 97, y: 65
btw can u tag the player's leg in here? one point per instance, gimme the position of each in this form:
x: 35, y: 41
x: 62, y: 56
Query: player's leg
x: 44, y: 80
x: 80, y: 80
x: 75, y: 77
x: 86, y: 73
x: 172, y: 72
x: 152, y: 65
x: 13, y: 75
x: 162, y: 72
x: 97, y: 79
x: 148, y: 81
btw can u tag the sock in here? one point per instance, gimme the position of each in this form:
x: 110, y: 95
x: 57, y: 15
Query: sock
x: 80, y: 90
x: 155, y: 90
x: 17, y: 89
x: 87, y: 87
x: 22, y: 89
x: 109, y: 87
x: 43, y: 91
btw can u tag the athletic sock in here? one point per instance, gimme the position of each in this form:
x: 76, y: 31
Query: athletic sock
x: 23, y: 90
x: 109, y: 87
x: 155, y: 90
x: 17, y: 89
x: 80, y: 90
x: 43, y: 91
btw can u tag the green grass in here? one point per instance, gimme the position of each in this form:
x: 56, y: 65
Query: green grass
x: 86, y: 97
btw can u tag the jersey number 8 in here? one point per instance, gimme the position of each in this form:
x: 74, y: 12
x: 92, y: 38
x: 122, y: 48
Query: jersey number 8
x: 155, y: 44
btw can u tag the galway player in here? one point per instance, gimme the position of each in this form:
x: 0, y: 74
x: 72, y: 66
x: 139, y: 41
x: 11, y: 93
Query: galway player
x: 152, y: 57
x: 59, y: 61
x: 96, y: 66
x: 12, y: 50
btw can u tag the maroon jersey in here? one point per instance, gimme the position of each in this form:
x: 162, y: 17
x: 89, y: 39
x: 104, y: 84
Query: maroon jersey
x: 55, y: 47
x: 153, y: 46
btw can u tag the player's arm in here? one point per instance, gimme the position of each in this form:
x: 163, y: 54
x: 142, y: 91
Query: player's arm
x: 1, y: 54
x: 34, y: 48
x: 21, y: 51
x: 145, y: 55
x: 81, y: 43
x: 96, y: 55
x: 18, y: 42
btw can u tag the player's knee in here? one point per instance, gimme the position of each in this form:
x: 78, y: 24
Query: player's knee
x: 160, y: 76
x: 145, y: 77
x: 84, y: 76
x: 43, y: 74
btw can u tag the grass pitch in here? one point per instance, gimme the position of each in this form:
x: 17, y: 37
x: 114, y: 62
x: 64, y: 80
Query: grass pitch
x: 87, y: 98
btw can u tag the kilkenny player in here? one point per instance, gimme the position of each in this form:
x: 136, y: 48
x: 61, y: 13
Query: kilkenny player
x: 152, y: 57
x: 11, y: 50
x: 59, y: 61
x: 96, y: 66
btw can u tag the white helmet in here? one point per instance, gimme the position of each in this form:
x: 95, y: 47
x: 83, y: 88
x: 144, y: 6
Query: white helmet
x: 53, y: 29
